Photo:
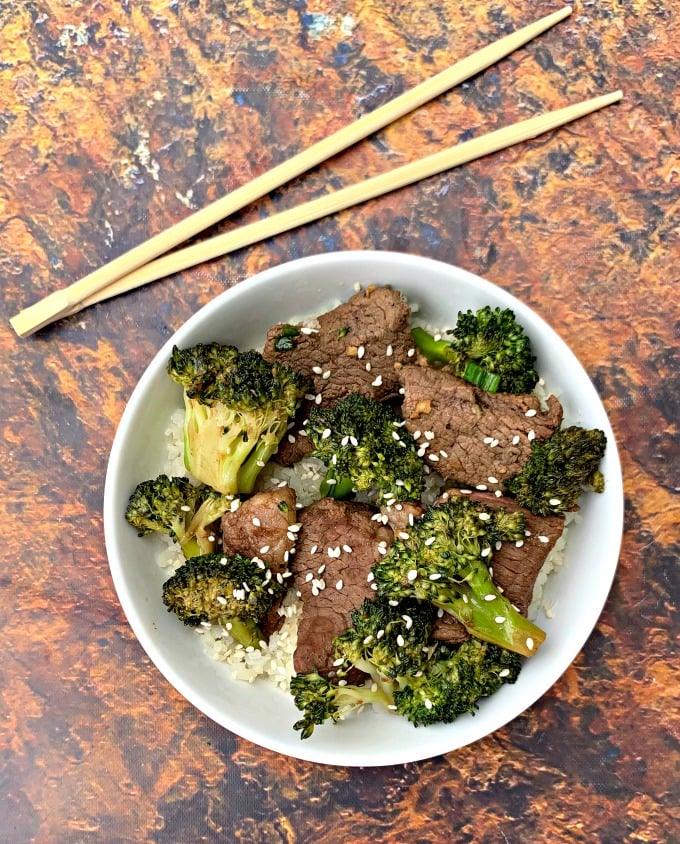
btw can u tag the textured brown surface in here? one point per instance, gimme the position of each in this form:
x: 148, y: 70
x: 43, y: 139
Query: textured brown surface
x: 116, y: 119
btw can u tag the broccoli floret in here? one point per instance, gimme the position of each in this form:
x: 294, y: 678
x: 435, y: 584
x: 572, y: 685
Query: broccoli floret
x: 237, y: 407
x: 444, y: 559
x: 185, y: 511
x: 489, y: 349
x: 320, y: 700
x: 454, y: 681
x: 425, y: 681
x: 365, y: 446
x: 558, y: 470
x: 232, y: 591
x: 386, y: 641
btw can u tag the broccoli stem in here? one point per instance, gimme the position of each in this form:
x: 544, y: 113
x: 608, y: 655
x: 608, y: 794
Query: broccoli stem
x: 244, y: 631
x: 334, y: 487
x: 492, y: 619
x: 436, y: 351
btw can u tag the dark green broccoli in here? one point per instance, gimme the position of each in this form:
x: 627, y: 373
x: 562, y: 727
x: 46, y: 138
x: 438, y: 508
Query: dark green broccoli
x: 425, y: 681
x: 232, y: 591
x: 320, y: 700
x: 385, y: 640
x: 489, y: 349
x: 237, y: 408
x: 365, y: 446
x: 185, y: 511
x: 445, y: 560
x: 559, y: 469
x: 454, y: 680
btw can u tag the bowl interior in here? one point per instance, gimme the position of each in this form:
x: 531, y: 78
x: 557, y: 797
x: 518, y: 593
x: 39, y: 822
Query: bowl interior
x: 258, y: 711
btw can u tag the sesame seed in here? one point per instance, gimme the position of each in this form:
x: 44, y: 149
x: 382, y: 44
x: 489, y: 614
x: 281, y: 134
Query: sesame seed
x: 515, y: 439
x: 410, y: 353
x: 313, y: 549
x: 412, y: 575
x: 338, y: 662
x: 530, y: 644
x: 421, y: 451
x: 488, y: 440
x: 481, y: 487
x: 428, y: 703
x: 430, y: 540
x: 429, y: 435
x: 489, y: 597
x: 484, y: 517
x: 377, y: 382
x: 504, y: 672
x: 347, y: 549
x: 500, y: 619
x: 433, y: 457
x: 307, y: 330
x: 321, y: 569
x: 519, y: 543
x: 531, y: 412
x: 403, y: 535
x: 531, y: 435
x: 401, y: 641
x: 393, y: 603
x: 498, y: 493
x: 492, y: 480
x: 554, y: 502
x: 309, y: 576
x: 486, y: 551
x: 221, y: 600
x: 494, y: 444
x: 264, y: 549
x: 317, y: 370
x: 185, y: 508
x: 416, y: 435
x: 408, y: 620
x: 291, y: 438
x: 360, y: 352
x: 317, y: 398
x: 543, y: 539
x: 326, y: 433
x: 354, y: 441
x: 326, y: 375
x: 339, y: 585
x: 368, y: 366
x: 256, y: 521
x: 344, y: 441
x: 334, y: 552
x: 315, y: 591
x: 388, y: 351
x: 435, y: 576
x: 370, y: 577
x: 294, y: 528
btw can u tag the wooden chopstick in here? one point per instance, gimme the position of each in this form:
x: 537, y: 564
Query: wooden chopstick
x: 346, y: 197
x: 69, y: 299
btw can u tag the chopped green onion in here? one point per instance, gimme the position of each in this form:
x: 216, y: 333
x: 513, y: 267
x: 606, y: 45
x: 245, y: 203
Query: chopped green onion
x: 480, y: 377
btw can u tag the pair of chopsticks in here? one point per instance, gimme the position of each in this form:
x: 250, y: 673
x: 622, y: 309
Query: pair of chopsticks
x: 149, y: 261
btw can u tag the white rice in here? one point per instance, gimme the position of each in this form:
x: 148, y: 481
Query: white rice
x: 274, y: 660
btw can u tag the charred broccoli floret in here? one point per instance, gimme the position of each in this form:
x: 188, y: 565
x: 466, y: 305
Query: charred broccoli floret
x: 365, y: 446
x: 425, y: 681
x: 237, y: 407
x: 232, y: 591
x: 185, y: 511
x: 444, y: 559
x: 488, y: 348
x: 386, y: 640
x: 320, y: 700
x: 559, y: 469
x: 454, y: 681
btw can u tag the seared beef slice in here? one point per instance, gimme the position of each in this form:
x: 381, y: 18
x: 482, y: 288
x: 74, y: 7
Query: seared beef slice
x: 514, y: 567
x: 337, y: 547
x: 469, y: 436
x: 261, y: 528
x: 358, y: 347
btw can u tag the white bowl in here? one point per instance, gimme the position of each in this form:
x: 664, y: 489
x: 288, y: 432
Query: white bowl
x: 260, y: 712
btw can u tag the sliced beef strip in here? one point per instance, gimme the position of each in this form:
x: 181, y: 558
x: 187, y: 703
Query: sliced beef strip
x: 473, y: 437
x: 359, y: 346
x: 332, y: 581
x: 514, y: 569
x: 400, y: 516
x: 260, y: 528
x: 294, y: 446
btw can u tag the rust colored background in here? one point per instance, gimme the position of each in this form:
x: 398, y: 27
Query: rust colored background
x: 117, y: 118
